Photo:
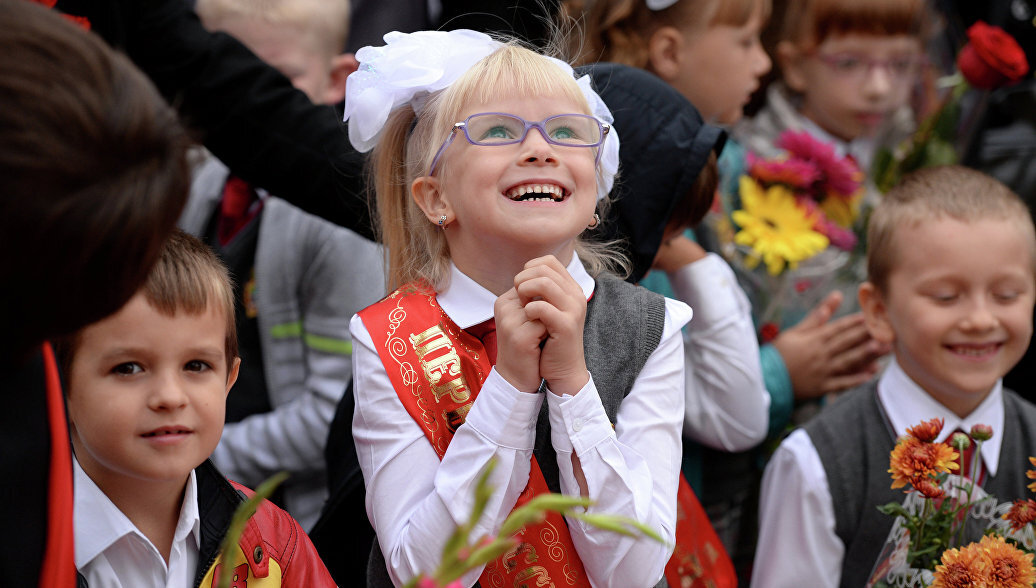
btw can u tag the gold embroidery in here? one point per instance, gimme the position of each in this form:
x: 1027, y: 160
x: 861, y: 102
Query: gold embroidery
x: 551, y: 540
x: 397, y: 348
x: 533, y: 577
x: 443, y: 369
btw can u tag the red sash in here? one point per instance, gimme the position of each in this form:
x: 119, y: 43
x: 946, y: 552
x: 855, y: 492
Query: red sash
x: 437, y: 370
x: 59, y: 568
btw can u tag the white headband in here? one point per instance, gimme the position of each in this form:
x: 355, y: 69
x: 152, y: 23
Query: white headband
x: 411, y: 66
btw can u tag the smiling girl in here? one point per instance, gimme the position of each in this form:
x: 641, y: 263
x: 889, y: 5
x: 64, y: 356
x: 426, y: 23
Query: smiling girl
x: 505, y: 338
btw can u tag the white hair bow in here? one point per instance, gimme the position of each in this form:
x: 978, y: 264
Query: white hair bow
x: 411, y: 66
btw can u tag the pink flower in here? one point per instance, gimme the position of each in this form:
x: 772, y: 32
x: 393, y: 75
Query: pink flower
x: 426, y: 582
x: 837, y: 174
x: 794, y: 173
x: 839, y: 236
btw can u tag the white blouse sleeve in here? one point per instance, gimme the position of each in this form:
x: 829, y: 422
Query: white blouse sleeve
x: 413, y: 501
x: 727, y: 405
x: 631, y: 470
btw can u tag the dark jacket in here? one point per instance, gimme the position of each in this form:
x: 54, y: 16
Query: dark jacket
x: 271, y: 535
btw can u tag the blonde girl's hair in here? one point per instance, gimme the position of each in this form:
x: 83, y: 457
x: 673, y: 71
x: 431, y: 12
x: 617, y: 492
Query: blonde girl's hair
x: 953, y: 191
x: 619, y: 30
x: 416, y: 248
x: 807, y: 23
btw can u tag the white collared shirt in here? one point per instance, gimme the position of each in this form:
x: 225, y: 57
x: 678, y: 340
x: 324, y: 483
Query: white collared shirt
x: 112, y: 553
x: 797, y: 544
x: 414, y: 501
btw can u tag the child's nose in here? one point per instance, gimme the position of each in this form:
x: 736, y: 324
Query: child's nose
x: 761, y: 60
x: 168, y: 393
x: 878, y: 81
x: 536, y: 149
x: 980, y: 317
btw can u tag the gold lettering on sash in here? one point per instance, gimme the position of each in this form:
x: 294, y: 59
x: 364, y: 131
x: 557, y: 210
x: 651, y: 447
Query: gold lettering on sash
x: 442, y: 370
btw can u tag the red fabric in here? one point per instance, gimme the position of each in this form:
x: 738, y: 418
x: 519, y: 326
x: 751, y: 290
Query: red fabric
x: 236, y: 208
x: 486, y: 333
x: 59, y: 568
x: 699, y: 559
x: 273, y: 534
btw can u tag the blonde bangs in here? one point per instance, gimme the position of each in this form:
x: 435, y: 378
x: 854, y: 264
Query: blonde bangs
x: 737, y: 13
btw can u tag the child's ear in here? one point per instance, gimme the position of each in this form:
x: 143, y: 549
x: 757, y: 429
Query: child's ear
x: 341, y: 66
x: 427, y: 193
x: 791, y: 60
x: 235, y: 369
x: 664, y: 53
x: 875, y: 313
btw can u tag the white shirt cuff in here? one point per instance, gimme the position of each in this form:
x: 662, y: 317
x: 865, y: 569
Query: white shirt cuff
x: 504, y: 415
x: 578, y: 422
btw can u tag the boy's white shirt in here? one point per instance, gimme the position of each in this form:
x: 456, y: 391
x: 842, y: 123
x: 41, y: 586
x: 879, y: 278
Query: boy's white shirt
x: 797, y: 544
x: 413, y: 499
x: 111, y: 552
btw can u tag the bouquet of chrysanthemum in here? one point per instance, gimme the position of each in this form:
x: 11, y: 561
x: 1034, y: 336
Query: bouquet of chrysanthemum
x: 792, y: 229
x: 949, y: 532
x: 990, y: 59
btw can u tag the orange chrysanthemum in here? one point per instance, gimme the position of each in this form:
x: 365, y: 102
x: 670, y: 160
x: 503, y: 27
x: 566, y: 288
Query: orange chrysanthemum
x: 959, y: 568
x: 1005, y: 565
x: 914, y: 461
x: 927, y: 431
x: 1031, y: 474
x: 1022, y: 513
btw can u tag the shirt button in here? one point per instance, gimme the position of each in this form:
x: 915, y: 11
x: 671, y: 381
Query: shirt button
x: 577, y: 425
x: 257, y: 554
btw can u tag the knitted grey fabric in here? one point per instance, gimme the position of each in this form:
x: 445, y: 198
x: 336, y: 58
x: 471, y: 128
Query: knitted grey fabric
x: 623, y: 326
x: 853, y: 438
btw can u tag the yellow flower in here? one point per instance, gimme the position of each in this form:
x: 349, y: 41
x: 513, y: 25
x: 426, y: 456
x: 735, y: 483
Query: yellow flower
x: 960, y: 568
x: 914, y: 462
x: 1006, y: 566
x: 842, y: 210
x: 773, y: 225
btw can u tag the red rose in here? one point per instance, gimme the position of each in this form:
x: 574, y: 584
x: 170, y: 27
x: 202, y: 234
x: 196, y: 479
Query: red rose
x: 991, y: 58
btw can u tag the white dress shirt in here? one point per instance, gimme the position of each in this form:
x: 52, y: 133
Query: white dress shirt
x: 797, y: 544
x: 414, y: 501
x: 726, y: 406
x: 112, y: 553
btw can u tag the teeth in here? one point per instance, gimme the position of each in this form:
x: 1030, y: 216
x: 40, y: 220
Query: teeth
x: 520, y: 191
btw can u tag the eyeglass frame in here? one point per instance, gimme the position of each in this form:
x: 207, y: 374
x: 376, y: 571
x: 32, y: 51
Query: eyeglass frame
x: 831, y: 59
x: 538, y: 125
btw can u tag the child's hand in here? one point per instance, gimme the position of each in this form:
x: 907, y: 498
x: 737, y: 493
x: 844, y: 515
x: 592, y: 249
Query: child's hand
x: 518, y: 340
x: 553, y: 298
x: 677, y: 252
x: 823, y: 357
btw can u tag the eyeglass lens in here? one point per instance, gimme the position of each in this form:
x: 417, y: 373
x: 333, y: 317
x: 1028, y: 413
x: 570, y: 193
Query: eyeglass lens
x: 565, y: 129
x: 858, y: 65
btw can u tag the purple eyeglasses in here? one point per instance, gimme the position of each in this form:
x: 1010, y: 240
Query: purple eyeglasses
x: 857, y: 67
x: 499, y: 128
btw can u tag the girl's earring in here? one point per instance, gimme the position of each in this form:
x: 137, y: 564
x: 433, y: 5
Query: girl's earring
x: 596, y: 222
x: 442, y: 221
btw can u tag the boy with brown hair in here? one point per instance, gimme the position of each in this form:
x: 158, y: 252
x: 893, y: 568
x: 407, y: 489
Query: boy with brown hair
x: 951, y: 288
x: 300, y: 278
x: 146, y: 394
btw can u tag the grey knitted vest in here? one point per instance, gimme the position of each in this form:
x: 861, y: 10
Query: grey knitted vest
x: 853, y: 439
x: 623, y: 326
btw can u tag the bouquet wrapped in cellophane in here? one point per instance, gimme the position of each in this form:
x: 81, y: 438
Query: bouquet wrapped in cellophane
x: 948, y: 532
